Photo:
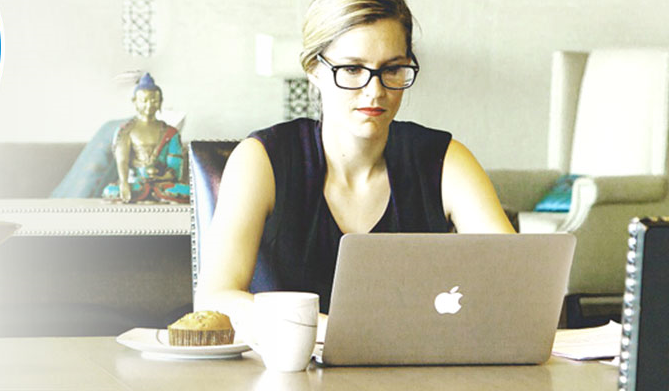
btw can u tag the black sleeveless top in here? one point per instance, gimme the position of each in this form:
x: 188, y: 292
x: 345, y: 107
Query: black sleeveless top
x: 298, y: 250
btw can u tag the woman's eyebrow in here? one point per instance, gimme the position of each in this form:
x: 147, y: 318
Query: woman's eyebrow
x: 362, y: 60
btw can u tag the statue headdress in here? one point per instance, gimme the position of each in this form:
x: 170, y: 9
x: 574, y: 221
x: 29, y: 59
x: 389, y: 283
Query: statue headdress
x: 146, y: 82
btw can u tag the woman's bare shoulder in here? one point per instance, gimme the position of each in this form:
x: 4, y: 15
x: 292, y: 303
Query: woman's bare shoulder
x: 249, y: 148
x: 468, y: 195
x: 459, y: 157
x: 249, y: 173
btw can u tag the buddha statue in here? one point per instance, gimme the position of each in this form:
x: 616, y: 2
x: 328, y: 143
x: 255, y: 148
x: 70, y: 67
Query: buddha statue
x: 148, y: 153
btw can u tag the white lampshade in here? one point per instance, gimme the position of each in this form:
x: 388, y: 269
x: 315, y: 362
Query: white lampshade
x: 278, y: 56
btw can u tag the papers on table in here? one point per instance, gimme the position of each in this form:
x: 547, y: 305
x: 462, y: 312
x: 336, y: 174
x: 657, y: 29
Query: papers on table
x: 589, y: 344
x: 615, y: 362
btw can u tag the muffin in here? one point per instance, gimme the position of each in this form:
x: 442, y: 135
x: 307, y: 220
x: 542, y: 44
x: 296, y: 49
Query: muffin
x: 201, y: 328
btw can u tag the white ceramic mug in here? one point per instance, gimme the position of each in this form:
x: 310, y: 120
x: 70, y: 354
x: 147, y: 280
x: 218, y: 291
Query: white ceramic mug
x: 284, y: 329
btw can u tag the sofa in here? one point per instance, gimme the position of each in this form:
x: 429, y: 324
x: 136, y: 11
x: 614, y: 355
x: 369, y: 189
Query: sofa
x: 82, y: 266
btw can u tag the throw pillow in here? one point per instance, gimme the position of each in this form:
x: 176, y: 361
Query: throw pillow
x: 558, y: 198
x: 94, y: 169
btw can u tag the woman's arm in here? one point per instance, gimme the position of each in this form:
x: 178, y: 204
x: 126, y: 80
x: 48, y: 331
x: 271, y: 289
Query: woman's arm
x: 245, y: 199
x: 469, y: 196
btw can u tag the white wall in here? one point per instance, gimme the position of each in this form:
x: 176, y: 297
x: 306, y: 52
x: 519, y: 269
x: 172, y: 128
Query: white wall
x: 485, y: 65
x: 61, y: 57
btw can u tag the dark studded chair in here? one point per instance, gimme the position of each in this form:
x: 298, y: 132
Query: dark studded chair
x: 206, y: 163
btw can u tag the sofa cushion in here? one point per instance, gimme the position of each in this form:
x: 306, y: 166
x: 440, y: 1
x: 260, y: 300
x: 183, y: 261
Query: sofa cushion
x: 34, y: 169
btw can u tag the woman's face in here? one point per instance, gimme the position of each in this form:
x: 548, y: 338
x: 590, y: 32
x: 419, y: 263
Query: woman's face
x: 366, y: 112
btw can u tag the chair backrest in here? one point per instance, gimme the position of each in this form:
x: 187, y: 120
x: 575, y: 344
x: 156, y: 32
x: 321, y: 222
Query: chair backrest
x: 207, y: 160
x: 609, y: 112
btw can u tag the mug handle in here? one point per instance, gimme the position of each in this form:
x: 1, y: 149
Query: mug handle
x: 246, y: 334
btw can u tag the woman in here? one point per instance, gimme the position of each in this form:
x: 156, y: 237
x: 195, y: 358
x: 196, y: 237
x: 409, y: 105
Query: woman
x: 291, y: 191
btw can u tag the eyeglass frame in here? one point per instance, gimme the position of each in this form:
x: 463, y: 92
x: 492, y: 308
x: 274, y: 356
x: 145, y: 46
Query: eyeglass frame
x: 372, y: 72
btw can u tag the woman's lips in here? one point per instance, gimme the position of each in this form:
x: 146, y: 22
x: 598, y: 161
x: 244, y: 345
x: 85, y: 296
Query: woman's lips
x: 371, y: 111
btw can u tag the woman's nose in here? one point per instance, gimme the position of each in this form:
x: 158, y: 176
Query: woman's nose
x: 374, y: 87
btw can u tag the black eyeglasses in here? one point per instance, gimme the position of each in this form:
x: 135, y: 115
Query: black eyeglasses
x: 355, y: 77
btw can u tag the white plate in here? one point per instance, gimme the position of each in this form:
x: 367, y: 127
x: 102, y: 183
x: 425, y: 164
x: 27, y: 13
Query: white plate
x: 154, y: 343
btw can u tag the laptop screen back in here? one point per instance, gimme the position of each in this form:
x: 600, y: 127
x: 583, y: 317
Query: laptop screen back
x: 446, y: 299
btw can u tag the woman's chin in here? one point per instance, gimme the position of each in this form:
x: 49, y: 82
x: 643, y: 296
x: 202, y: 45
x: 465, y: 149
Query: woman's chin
x: 372, y: 129
x: 364, y: 127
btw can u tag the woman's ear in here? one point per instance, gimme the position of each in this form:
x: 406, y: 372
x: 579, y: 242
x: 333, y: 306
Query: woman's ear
x: 313, y: 78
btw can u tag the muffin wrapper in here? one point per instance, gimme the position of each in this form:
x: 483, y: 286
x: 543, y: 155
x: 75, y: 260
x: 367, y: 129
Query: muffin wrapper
x: 200, y: 337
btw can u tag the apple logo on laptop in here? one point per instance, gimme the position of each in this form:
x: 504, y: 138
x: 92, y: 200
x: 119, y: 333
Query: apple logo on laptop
x: 448, y: 302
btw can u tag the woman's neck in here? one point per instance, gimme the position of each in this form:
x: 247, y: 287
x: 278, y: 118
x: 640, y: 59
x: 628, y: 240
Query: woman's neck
x: 351, y: 158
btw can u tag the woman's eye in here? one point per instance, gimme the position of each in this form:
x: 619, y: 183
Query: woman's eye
x: 392, y: 70
x: 352, y: 70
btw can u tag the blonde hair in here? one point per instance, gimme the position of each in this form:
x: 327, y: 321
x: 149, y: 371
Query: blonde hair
x: 326, y: 20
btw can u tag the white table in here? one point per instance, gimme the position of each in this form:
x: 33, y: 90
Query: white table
x: 99, y: 363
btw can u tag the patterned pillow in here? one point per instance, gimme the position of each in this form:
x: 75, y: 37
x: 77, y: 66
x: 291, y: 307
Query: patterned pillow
x: 94, y: 169
x: 558, y: 198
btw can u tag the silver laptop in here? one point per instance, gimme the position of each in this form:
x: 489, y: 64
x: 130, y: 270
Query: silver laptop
x: 401, y: 299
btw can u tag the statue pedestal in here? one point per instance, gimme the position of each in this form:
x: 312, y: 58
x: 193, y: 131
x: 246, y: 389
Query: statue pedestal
x: 94, y: 217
